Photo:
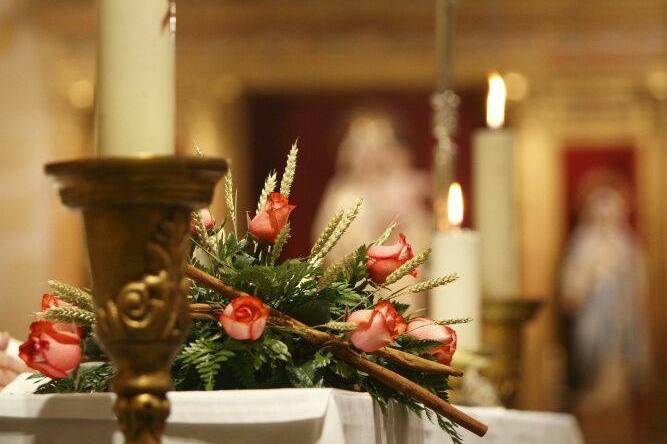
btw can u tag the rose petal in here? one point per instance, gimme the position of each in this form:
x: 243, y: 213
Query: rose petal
x: 380, y: 269
x: 257, y: 328
x: 370, y: 337
x: 360, y: 316
x: 271, y: 219
x: 385, y: 251
x: 235, y: 329
x: 51, y: 351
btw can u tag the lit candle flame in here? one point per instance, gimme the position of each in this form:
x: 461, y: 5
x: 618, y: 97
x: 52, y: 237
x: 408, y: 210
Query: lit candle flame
x: 455, y: 205
x: 495, y: 101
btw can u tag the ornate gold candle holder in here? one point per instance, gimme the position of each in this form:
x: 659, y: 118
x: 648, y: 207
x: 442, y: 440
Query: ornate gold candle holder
x: 137, y: 219
x: 504, y: 320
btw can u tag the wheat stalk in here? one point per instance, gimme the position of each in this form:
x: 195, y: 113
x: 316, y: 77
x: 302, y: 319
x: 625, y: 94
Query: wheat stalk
x: 230, y: 199
x: 454, y: 321
x: 269, y: 186
x: 344, y: 223
x: 433, y: 283
x: 340, y: 326
x: 385, y: 234
x: 407, y: 267
x: 329, y: 275
x: 71, y: 294
x: 290, y: 171
x: 326, y: 233
x: 282, y: 238
x: 68, y: 315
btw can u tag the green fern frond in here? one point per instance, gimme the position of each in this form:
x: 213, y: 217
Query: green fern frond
x: 72, y: 295
x: 408, y: 267
x: 206, y: 355
x: 290, y: 171
x: 269, y: 187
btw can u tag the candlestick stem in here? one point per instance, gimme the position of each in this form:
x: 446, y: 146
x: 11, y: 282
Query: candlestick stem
x: 137, y: 215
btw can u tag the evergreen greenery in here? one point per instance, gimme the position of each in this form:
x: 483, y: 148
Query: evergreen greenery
x: 301, y: 288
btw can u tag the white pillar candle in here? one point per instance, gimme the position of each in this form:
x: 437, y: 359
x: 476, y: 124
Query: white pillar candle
x: 136, y: 78
x: 457, y: 251
x: 495, y: 214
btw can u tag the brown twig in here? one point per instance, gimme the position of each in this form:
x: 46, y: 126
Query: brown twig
x: 344, y: 352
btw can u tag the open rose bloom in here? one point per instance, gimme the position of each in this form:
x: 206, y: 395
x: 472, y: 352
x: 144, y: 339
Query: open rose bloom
x: 52, y: 349
x: 376, y: 328
x: 384, y: 259
x: 427, y: 329
x: 245, y: 318
x: 267, y: 223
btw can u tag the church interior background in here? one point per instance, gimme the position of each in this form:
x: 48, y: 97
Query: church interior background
x: 587, y: 90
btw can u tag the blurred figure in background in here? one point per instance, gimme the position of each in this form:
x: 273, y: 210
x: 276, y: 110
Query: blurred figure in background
x: 10, y: 365
x: 373, y: 165
x: 604, y: 287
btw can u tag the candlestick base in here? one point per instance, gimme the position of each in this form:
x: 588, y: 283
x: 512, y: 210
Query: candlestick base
x: 502, y: 334
x: 137, y: 215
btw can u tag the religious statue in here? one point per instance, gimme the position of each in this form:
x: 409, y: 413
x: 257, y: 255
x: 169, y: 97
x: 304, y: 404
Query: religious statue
x: 375, y: 166
x: 603, y: 298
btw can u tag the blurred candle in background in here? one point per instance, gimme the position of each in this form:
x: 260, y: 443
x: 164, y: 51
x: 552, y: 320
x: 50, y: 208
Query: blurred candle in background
x: 496, y: 215
x: 135, y: 78
x: 457, y: 250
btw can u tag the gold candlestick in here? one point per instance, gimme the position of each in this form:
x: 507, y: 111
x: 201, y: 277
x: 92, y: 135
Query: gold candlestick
x: 504, y: 322
x: 137, y: 218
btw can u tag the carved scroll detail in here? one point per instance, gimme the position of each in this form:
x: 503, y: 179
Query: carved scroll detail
x: 142, y: 328
x: 146, y: 309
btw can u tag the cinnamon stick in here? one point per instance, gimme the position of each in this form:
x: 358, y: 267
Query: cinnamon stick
x: 399, y: 357
x: 345, y: 353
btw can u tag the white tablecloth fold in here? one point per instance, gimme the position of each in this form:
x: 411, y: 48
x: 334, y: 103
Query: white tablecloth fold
x: 317, y: 416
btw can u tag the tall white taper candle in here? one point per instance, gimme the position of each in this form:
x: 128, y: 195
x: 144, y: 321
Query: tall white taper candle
x: 135, y: 78
x: 496, y: 214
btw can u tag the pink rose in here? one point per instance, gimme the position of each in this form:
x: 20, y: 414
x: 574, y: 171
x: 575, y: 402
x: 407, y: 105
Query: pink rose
x: 376, y: 328
x: 245, y: 318
x: 427, y: 329
x: 51, y: 351
x: 207, y: 221
x: 267, y: 223
x: 384, y: 259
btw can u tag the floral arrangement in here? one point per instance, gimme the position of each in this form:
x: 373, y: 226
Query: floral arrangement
x: 259, y: 322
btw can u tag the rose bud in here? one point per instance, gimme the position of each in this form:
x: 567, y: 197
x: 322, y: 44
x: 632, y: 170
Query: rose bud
x: 245, y: 318
x: 50, y: 350
x: 267, y: 223
x: 384, y: 259
x: 50, y: 301
x: 427, y: 329
x: 207, y: 221
x: 376, y: 328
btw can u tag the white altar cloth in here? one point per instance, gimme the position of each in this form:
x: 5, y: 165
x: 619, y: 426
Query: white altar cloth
x: 290, y: 416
